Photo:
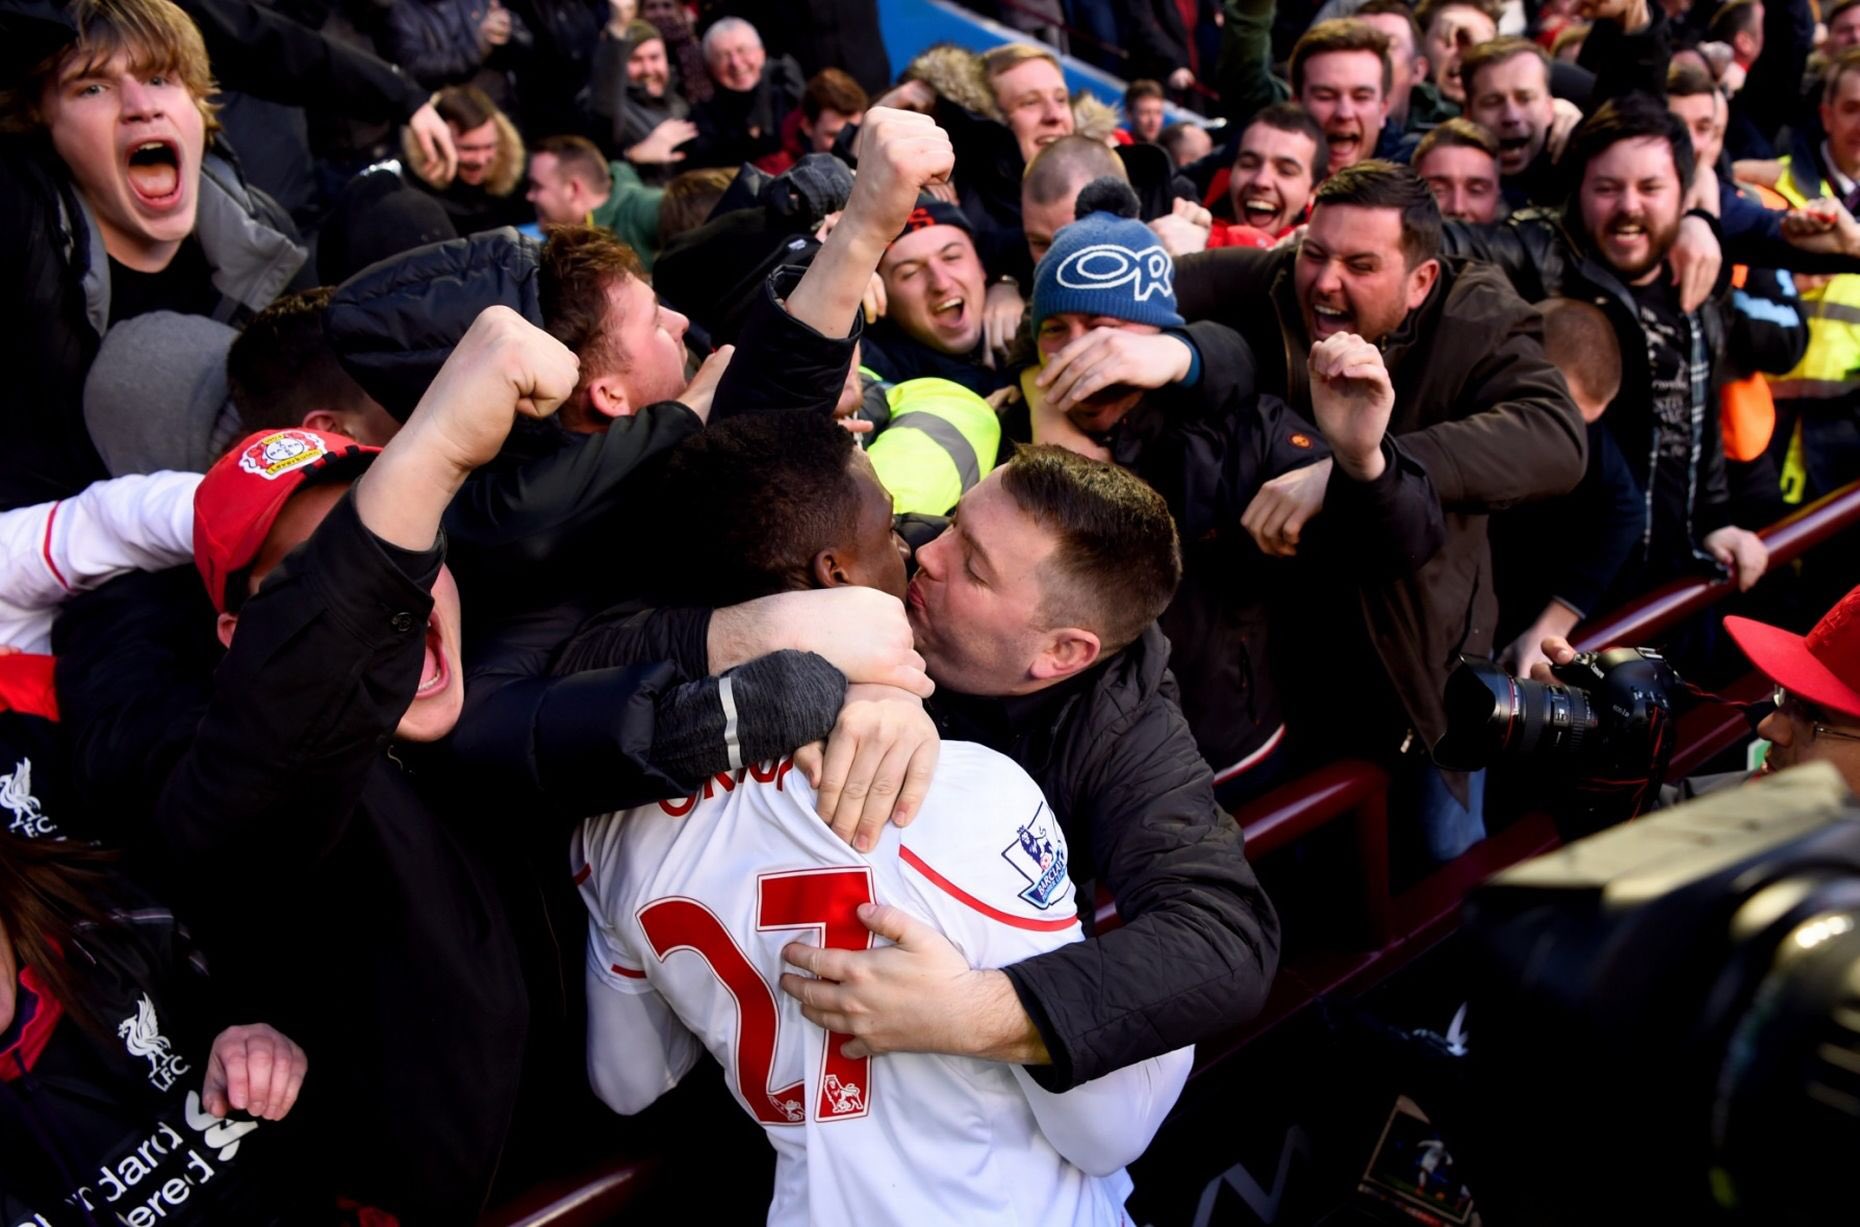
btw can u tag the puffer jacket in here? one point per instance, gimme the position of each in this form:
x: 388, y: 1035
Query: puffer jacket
x: 57, y: 305
x: 1199, y: 941
x: 1477, y: 405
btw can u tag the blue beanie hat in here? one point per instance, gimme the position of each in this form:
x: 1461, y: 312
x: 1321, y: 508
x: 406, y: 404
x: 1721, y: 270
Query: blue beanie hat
x: 1107, y: 263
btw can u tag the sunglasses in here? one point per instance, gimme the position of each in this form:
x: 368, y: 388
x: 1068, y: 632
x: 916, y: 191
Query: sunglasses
x: 1789, y: 705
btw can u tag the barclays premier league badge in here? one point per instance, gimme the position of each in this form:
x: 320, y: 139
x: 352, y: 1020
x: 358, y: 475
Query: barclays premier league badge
x: 1038, y: 854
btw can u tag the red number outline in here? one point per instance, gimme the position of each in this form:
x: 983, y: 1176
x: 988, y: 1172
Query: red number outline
x: 824, y: 901
x: 675, y: 923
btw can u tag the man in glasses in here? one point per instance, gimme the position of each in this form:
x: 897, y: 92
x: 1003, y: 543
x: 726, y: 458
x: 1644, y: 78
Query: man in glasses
x: 1817, y: 676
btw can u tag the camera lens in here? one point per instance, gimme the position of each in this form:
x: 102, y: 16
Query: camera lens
x: 1491, y: 714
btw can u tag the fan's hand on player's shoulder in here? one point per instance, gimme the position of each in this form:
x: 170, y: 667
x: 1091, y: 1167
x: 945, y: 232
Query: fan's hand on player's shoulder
x: 876, y: 766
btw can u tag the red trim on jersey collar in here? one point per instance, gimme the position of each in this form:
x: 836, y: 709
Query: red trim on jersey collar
x: 964, y: 897
x: 23, y: 1053
x: 628, y: 972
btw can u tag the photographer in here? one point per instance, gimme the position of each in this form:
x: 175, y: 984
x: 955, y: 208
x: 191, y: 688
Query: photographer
x: 1817, y: 676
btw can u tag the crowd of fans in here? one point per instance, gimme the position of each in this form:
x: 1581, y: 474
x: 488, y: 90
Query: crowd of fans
x: 450, y: 442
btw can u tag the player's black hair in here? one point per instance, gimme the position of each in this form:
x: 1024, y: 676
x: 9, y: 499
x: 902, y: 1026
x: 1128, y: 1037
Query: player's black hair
x: 749, y: 503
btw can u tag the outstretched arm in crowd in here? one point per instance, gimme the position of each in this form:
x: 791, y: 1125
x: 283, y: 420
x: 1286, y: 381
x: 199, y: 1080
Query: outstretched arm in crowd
x: 900, y: 154
x: 795, y: 353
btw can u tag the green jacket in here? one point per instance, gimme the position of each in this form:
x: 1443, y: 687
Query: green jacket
x: 631, y: 211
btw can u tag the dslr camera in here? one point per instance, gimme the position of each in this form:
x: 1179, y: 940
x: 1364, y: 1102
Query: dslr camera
x: 1605, y: 724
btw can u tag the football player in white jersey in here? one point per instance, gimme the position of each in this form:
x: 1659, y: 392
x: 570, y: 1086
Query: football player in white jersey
x: 691, y: 903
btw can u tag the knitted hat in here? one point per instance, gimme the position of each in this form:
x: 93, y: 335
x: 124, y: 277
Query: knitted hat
x: 1107, y: 263
x: 640, y: 31
x: 933, y: 212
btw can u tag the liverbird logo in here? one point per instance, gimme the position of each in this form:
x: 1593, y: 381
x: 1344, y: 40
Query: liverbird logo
x: 142, y: 1036
x: 16, y: 796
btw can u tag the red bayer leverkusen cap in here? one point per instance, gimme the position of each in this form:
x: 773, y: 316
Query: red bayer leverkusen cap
x: 242, y: 495
x: 1821, y: 667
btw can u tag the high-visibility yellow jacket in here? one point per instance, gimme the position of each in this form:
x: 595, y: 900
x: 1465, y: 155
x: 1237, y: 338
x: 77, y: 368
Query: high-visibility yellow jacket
x: 941, y: 439
x: 1832, y: 362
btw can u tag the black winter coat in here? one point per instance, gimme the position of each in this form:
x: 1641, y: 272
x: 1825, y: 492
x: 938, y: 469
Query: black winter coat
x: 734, y: 128
x: 376, y: 940
x: 1199, y: 941
x: 1207, y: 448
x: 54, y: 311
x: 624, y: 113
x: 436, y: 41
x: 1116, y: 761
x: 1477, y: 406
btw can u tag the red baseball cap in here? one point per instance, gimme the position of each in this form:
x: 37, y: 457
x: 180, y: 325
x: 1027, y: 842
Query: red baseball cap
x: 243, y: 494
x: 1821, y: 667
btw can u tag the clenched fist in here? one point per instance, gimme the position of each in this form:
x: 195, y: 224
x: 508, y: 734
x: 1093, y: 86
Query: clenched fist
x: 503, y: 366
x: 1351, y: 398
x: 901, y: 153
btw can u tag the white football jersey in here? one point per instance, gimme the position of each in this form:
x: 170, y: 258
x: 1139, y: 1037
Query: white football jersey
x: 690, y: 905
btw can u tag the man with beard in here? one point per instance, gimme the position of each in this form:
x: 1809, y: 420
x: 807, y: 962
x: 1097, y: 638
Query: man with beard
x: 1475, y: 401
x: 102, y: 192
x: 1508, y: 94
x: 1341, y: 74
x: 482, y: 194
x: 1611, y: 247
x: 742, y: 121
x: 1121, y: 377
x: 1459, y: 161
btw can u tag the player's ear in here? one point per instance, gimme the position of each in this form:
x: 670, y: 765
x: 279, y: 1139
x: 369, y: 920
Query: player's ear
x: 828, y: 571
